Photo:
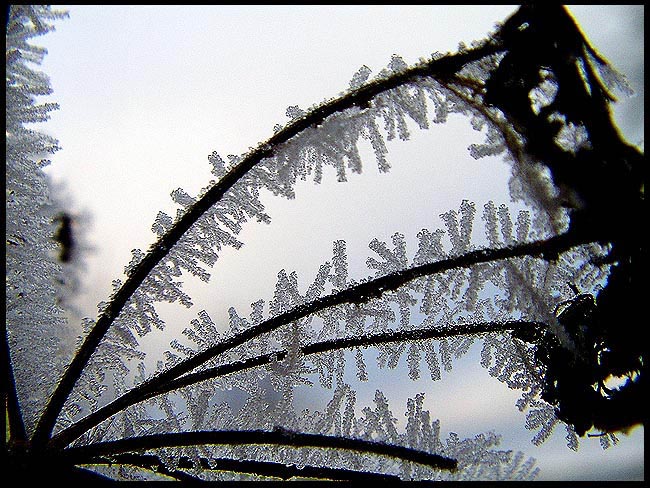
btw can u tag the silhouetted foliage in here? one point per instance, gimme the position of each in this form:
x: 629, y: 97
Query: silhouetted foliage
x: 606, y: 187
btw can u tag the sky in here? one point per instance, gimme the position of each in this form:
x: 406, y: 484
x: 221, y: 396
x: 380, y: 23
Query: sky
x: 148, y: 92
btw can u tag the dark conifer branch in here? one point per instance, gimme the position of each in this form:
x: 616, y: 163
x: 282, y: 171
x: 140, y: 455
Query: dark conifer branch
x: 277, y: 437
x: 368, y: 340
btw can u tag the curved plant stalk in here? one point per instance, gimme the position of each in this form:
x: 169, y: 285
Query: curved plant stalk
x: 68, y: 435
x: 548, y: 249
x: 277, y: 437
x: 348, y: 343
x: 283, y: 471
x: 443, y: 68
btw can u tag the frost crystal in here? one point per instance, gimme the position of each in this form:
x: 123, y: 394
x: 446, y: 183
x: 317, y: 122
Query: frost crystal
x: 611, y: 78
x: 294, y: 112
x: 34, y: 321
x: 572, y: 137
x: 360, y: 77
x: 543, y: 94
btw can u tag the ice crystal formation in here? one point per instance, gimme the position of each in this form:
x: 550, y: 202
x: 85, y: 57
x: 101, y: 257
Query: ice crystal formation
x: 31, y: 271
x: 108, y: 409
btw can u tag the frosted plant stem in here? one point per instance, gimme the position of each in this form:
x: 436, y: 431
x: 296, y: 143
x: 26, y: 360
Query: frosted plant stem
x: 260, y: 468
x: 444, y: 68
x: 277, y: 437
x: 348, y: 343
x: 549, y: 249
x: 17, y: 431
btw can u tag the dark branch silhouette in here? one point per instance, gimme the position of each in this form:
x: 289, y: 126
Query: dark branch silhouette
x: 547, y: 249
x: 277, y: 437
x: 65, y: 437
x: 606, y: 183
x: 248, y: 466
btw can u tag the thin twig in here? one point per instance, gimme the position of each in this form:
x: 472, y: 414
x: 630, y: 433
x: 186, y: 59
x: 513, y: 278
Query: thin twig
x: 277, y: 437
x: 368, y: 340
x: 65, y: 437
x: 248, y: 466
x: 148, y: 462
x: 548, y: 248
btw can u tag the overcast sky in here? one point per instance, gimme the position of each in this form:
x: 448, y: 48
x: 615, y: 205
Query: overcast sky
x: 146, y: 93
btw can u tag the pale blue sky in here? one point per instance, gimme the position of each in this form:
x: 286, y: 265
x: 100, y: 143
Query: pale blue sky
x: 147, y: 92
